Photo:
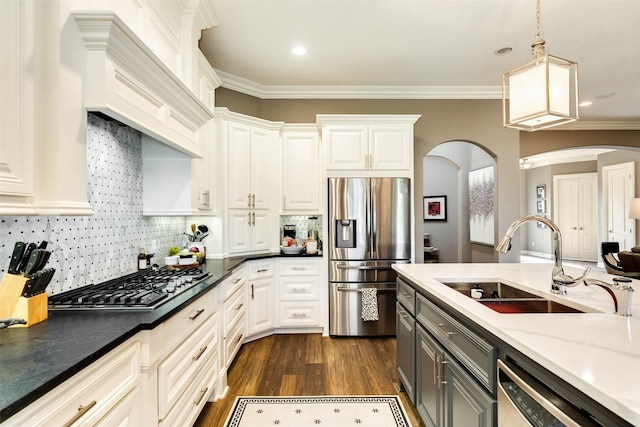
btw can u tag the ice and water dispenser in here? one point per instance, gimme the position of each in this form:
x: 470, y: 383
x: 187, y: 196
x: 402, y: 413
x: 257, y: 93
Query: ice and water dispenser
x: 345, y: 233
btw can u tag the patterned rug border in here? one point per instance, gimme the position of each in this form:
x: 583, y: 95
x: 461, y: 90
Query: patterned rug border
x: 397, y: 408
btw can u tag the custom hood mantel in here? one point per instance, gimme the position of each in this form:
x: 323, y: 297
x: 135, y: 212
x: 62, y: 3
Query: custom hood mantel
x: 125, y: 80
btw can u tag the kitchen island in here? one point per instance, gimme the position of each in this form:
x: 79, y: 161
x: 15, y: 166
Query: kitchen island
x: 595, y: 352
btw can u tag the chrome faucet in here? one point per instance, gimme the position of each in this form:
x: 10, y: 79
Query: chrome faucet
x: 622, y: 294
x: 559, y: 280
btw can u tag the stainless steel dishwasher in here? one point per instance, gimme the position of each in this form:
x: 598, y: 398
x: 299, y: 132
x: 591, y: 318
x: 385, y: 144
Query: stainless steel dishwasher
x: 524, y: 401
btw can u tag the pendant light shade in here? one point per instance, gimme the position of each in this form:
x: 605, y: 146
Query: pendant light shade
x: 542, y: 93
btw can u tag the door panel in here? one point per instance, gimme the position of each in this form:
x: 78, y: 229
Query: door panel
x: 348, y: 218
x: 619, y: 189
x: 390, y: 218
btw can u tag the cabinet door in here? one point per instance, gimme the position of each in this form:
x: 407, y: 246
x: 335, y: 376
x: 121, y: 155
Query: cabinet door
x: 406, y: 348
x: 300, y: 172
x: 264, y: 167
x: 239, y: 230
x: 466, y: 403
x: 260, y: 226
x: 239, y: 165
x: 390, y: 147
x: 347, y: 147
x: 429, y: 395
x: 260, y: 305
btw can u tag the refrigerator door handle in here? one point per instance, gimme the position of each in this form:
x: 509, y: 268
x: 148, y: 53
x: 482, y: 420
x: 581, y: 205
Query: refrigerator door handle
x: 361, y: 267
x: 359, y: 290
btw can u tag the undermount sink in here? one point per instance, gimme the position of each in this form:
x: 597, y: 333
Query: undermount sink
x: 504, y: 298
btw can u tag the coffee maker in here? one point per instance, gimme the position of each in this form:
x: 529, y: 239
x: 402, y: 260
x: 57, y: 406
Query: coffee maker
x: 289, y: 231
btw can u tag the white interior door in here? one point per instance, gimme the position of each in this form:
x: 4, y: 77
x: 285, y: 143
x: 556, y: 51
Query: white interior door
x: 619, y: 188
x: 576, y: 214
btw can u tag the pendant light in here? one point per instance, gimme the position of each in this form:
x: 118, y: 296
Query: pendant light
x: 542, y: 93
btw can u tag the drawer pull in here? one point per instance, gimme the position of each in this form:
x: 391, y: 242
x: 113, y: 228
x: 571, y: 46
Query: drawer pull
x: 237, y: 280
x: 239, y: 306
x: 262, y: 270
x: 200, y: 353
x: 198, y: 313
x: 296, y: 290
x: 298, y: 315
x: 239, y: 338
x: 81, y: 411
x: 298, y: 268
x: 442, y: 328
x: 203, y: 392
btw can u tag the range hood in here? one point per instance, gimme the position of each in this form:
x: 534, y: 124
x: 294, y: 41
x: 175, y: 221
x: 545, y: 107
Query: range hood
x: 124, y: 79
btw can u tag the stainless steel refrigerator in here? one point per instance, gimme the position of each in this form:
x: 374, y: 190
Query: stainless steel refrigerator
x: 369, y: 229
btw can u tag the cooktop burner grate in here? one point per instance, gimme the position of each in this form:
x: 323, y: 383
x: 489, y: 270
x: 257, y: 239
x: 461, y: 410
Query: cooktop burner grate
x: 144, y: 290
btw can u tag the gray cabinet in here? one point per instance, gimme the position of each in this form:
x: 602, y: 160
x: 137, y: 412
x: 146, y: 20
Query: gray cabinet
x: 447, y: 369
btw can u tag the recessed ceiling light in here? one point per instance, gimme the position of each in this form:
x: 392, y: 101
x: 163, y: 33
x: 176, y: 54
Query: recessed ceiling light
x: 585, y: 103
x: 299, y: 50
x: 503, y: 51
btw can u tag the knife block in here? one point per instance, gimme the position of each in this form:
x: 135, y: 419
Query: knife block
x: 13, y: 304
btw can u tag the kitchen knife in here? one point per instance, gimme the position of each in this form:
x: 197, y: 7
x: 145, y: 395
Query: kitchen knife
x: 26, y: 256
x: 16, y: 257
x: 43, y: 244
x: 36, y: 256
x: 30, y: 286
x: 43, y: 260
x: 46, y: 279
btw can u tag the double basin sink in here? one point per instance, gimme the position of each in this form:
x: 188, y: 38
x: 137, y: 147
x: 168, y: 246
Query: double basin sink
x: 505, y: 298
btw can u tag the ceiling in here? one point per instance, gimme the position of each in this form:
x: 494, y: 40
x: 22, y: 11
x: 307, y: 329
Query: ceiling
x: 424, y: 49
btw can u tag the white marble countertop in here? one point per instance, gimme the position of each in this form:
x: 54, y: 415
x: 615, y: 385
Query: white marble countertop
x: 596, y: 352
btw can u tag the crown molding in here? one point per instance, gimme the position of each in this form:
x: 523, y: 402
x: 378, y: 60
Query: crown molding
x: 257, y: 90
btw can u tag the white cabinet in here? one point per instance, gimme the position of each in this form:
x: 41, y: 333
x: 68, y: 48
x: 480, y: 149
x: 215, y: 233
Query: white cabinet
x: 251, y: 149
x: 299, y: 285
x: 368, y: 142
x: 106, y: 393
x: 301, y: 158
x: 232, y: 296
x: 260, y: 296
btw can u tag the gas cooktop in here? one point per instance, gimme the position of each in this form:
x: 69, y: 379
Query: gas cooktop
x: 144, y: 290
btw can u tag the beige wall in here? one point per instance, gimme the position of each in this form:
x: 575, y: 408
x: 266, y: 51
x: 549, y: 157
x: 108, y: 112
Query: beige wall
x: 539, y: 142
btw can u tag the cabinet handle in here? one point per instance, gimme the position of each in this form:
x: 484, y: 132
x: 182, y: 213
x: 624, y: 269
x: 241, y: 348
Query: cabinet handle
x: 198, y: 313
x: 442, y: 365
x: 436, y: 363
x: 298, y: 315
x: 252, y: 296
x: 298, y: 268
x: 296, y: 290
x: 249, y: 214
x: 239, y: 306
x: 442, y: 328
x: 253, y: 222
x: 81, y: 411
x: 202, y: 394
x: 205, y: 198
x: 262, y: 270
x: 237, y: 280
x: 239, y: 338
x: 253, y: 198
x: 200, y: 353
x: 249, y: 200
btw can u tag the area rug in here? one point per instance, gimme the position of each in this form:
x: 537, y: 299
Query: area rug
x: 329, y: 411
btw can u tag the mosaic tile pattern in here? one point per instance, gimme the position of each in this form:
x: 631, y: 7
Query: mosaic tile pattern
x: 92, y: 249
x: 303, y: 224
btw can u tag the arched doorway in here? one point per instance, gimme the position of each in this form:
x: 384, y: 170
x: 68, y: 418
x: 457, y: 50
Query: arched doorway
x: 462, y: 173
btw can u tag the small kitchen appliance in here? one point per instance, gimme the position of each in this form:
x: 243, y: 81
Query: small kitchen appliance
x: 289, y: 231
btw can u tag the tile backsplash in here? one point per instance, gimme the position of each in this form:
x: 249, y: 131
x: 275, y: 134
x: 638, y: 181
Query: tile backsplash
x: 92, y: 249
x: 303, y: 224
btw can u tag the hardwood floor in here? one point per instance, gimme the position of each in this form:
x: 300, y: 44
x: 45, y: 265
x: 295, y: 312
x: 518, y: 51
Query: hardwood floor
x: 310, y: 365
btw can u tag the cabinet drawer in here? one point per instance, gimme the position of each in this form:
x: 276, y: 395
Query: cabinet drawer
x: 233, y: 341
x: 179, y: 370
x: 406, y: 296
x: 191, y: 402
x: 298, y: 267
x: 98, y: 388
x: 299, y: 314
x: 299, y: 288
x: 188, y: 320
x: 234, y: 309
x: 232, y: 283
x: 475, y: 353
x: 259, y: 269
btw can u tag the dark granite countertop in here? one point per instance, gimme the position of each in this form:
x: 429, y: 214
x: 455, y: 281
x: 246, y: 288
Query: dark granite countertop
x: 35, y: 360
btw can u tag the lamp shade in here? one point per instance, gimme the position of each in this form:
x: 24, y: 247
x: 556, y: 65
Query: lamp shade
x: 540, y: 94
x: 634, y: 209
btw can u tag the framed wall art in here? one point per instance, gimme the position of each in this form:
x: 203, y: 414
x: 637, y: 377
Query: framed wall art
x: 540, y: 191
x: 541, y: 206
x: 482, y: 205
x: 435, y: 208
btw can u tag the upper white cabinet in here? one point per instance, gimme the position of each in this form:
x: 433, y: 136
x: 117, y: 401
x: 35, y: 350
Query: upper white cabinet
x: 249, y: 150
x: 301, y: 159
x: 368, y: 142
